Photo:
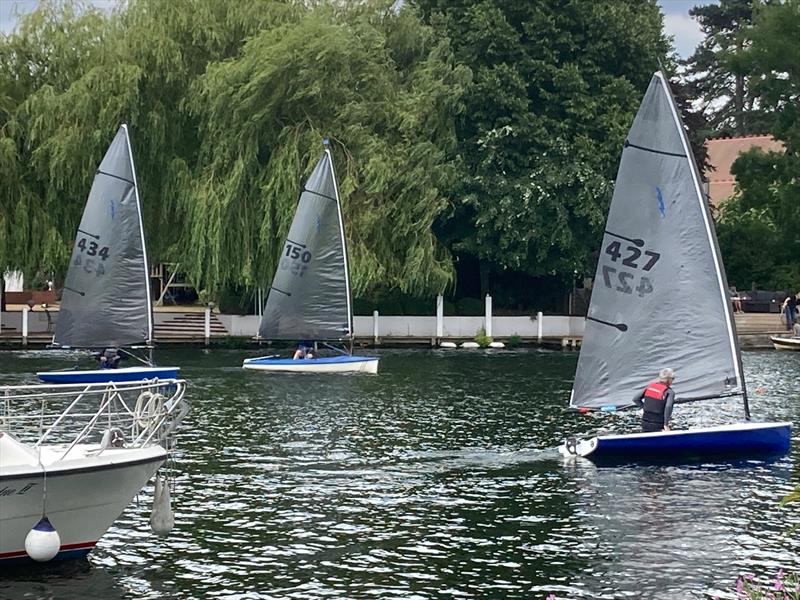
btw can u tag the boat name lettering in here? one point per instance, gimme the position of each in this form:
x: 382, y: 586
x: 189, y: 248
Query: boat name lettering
x: 7, y: 491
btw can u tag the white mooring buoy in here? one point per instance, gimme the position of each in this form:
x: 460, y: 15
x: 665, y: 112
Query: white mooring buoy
x: 162, y: 519
x: 447, y: 345
x: 470, y: 345
x: 42, y: 542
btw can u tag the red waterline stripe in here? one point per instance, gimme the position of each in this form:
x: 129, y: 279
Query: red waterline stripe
x: 64, y: 548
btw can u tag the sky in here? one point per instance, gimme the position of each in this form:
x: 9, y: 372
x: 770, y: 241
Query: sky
x: 677, y: 21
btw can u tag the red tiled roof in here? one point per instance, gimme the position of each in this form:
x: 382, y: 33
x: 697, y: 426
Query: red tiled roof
x: 723, y: 152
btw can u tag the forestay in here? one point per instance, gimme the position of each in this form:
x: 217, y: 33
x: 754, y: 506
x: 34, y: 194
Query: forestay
x: 660, y: 292
x: 106, y: 296
x: 310, y: 293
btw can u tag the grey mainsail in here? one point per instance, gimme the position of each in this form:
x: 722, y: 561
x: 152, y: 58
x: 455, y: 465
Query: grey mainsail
x: 106, y: 296
x: 310, y: 294
x: 660, y: 294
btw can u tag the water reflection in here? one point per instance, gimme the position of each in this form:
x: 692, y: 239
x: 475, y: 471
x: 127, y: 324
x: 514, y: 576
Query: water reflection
x: 437, y: 479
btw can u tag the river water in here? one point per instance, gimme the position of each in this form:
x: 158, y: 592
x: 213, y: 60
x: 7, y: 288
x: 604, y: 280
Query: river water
x: 438, y: 478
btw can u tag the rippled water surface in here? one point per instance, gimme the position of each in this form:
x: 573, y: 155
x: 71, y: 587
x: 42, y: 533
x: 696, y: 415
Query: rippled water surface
x: 438, y: 478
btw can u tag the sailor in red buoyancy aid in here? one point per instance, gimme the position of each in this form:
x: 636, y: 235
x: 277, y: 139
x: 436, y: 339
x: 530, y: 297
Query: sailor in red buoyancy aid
x: 657, y: 400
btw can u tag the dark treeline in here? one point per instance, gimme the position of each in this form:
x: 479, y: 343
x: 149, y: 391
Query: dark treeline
x: 476, y: 142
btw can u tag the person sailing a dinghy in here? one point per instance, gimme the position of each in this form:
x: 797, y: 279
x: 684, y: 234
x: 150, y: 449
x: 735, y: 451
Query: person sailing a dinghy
x: 657, y: 399
x: 304, y: 350
x: 109, y: 358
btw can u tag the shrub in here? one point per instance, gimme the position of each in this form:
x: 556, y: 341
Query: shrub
x: 482, y: 339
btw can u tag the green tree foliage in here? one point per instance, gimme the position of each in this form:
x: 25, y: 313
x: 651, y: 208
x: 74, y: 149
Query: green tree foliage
x: 766, y: 212
x: 227, y: 104
x: 556, y: 84
x: 716, y: 74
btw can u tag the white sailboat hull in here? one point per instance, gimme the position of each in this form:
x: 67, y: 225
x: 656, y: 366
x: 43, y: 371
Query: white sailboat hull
x: 785, y: 343
x: 333, y: 364
x: 85, y: 494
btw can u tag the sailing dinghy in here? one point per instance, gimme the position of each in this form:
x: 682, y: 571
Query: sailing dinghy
x: 106, y: 300
x: 660, y: 299
x: 310, y: 294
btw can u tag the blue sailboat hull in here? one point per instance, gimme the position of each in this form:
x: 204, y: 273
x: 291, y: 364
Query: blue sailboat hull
x: 106, y: 375
x: 737, y: 440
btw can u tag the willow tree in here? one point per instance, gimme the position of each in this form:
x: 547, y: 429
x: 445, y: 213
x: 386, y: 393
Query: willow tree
x: 384, y: 89
x: 54, y: 47
x: 227, y: 103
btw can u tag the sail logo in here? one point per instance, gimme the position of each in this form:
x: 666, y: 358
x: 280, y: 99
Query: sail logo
x: 662, y: 207
x: 112, y: 209
x: 319, y: 223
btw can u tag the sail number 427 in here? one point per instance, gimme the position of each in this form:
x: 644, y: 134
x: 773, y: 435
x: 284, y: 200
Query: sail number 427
x: 624, y: 281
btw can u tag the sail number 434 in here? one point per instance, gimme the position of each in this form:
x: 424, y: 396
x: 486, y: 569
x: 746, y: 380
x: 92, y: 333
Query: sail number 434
x: 94, y: 252
x: 623, y: 280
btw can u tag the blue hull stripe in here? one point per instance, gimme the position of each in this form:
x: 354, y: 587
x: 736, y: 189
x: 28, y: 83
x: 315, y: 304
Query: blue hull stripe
x: 106, y: 375
x: 326, y: 360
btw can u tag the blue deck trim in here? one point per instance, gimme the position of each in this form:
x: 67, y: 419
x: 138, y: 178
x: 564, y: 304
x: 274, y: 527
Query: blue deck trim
x: 105, y: 375
x: 325, y: 360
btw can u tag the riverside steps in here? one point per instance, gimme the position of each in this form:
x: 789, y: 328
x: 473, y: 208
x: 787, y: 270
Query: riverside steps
x: 22, y: 326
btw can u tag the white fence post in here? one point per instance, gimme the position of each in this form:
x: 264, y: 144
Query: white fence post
x: 375, y: 330
x: 487, y: 319
x: 25, y: 311
x: 439, y: 317
x: 539, y: 325
x: 208, y: 325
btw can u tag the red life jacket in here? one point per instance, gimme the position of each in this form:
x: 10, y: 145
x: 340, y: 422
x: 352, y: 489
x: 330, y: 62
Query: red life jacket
x: 656, y: 390
x: 654, y: 402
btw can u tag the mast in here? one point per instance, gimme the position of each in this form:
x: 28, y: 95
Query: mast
x: 326, y: 144
x: 712, y: 240
x: 146, y: 263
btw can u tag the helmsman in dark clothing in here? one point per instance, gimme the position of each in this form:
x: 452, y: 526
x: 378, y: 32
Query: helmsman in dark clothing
x: 657, y: 400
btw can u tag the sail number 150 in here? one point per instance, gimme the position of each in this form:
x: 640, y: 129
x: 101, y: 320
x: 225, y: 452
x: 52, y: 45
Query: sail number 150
x: 622, y: 280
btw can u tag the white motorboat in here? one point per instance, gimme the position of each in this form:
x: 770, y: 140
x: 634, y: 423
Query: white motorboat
x: 780, y: 342
x: 77, y: 455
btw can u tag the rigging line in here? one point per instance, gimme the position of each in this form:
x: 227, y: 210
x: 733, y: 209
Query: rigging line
x: 75, y: 291
x: 319, y: 194
x: 128, y: 181
x: 620, y: 326
x: 295, y: 243
x: 708, y: 397
x: 281, y: 291
x: 653, y: 150
x: 638, y: 241
x: 92, y: 235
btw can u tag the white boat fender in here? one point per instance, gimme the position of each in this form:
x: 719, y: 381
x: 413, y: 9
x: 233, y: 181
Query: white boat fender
x: 497, y: 345
x: 448, y: 345
x: 470, y: 345
x: 162, y: 519
x: 42, y: 542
